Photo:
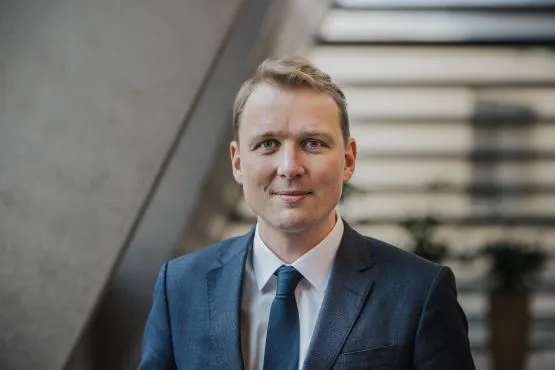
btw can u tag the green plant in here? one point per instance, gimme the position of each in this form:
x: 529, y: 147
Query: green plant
x: 514, y: 266
x: 421, y: 230
x: 348, y: 190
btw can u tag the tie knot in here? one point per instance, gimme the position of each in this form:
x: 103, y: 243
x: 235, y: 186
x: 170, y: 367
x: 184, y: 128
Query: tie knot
x: 287, y: 280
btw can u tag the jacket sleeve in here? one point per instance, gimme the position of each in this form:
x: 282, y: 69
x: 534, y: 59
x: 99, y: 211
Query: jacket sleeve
x: 157, y: 352
x: 442, y: 335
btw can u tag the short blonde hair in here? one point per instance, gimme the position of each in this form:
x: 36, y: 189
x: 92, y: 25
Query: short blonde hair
x: 291, y: 72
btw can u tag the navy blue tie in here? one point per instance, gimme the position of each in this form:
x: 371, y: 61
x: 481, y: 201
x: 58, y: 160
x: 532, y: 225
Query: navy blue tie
x: 283, y: 335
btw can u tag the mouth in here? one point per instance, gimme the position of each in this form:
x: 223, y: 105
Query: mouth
x: 292, y: 197
x: 292, y: 192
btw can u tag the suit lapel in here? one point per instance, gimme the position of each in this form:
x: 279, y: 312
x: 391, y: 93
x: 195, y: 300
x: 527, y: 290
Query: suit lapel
x: 347, y: 291
x: 224, y: 284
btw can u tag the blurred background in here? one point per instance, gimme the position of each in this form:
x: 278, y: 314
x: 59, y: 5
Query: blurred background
x: 115, y: 120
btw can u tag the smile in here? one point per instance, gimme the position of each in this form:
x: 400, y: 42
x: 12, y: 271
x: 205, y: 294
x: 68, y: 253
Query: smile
x: 292, y: 192
x: 292, y: 197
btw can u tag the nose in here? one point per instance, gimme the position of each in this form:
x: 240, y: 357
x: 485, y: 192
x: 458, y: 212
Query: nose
x: 290, y: 162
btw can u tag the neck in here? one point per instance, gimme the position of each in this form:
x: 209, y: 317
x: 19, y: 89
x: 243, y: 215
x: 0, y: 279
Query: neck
x: 290, y: 246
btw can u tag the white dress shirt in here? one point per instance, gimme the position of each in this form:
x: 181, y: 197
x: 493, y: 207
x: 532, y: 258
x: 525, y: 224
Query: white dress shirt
x: 259, y: 290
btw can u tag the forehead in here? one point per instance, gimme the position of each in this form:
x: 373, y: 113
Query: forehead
x: 269, y: 106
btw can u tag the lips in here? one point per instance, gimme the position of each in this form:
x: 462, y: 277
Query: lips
x: 292, y: 198
x: 292, y: 192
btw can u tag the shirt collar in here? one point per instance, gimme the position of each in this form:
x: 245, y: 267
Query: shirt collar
x: 315, y: 265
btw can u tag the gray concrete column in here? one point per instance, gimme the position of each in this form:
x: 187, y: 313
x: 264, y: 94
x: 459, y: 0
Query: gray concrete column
x: 92, y: 94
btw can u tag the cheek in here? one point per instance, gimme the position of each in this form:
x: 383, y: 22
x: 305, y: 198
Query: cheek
x: 330, y: 173
x: 256, y: 173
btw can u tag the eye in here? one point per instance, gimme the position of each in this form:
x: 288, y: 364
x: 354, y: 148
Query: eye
x: 313, y: 144
x: 268, y: 144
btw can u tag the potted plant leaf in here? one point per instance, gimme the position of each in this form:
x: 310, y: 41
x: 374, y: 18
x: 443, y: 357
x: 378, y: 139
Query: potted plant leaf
x: 349, y: 190
x: 514, y: 271
x: 421, y: 230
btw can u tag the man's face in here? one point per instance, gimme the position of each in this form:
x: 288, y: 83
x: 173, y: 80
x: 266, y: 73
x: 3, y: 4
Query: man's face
x: 292, y: 160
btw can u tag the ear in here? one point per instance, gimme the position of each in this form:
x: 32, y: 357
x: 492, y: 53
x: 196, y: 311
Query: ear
x: 236, y: 161
x: 350, y: 159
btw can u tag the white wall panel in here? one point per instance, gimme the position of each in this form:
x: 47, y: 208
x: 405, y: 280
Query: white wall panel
x: 447, y: 138
x: 355, y: 25
x: 385, y: 64
x: 458, y: 103
x: 380, y: 172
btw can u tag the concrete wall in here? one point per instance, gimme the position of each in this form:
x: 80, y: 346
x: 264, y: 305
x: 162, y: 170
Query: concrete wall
x: 92, y: 94
x: 298, y: 26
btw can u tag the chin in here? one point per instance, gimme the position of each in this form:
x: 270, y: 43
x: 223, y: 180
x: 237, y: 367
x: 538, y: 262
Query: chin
x: 291, y: 222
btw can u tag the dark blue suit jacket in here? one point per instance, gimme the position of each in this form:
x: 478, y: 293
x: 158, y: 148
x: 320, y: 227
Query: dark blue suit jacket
x: 384, y: 308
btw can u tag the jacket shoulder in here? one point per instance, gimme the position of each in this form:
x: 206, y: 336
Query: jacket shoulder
x: 201, y: 260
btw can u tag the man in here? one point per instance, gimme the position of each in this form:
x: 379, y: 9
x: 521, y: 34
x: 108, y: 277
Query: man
x: 302, y: 290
